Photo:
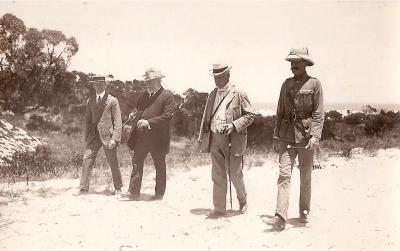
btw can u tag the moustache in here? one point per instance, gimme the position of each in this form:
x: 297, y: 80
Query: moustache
x: 294, y: 68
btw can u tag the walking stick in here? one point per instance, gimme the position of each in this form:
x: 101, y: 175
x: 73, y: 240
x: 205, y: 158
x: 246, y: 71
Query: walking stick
x: 229, y: 169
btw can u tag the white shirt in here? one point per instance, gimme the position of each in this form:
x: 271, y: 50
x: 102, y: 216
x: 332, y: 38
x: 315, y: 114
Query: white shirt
x: 220, y: 114
x: 100, y: 96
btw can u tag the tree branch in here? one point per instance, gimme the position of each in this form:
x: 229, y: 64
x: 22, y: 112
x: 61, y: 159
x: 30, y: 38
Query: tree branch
x: 31, y: 109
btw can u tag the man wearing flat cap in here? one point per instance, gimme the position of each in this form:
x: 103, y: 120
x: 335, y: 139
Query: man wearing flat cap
x: 103, y: 127
x: 300, y: 118
x: 151, y: 133
x: 223, y: 134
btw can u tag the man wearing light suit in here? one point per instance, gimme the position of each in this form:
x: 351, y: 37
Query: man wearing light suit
x: 103, y: 127
x: 223, y: 133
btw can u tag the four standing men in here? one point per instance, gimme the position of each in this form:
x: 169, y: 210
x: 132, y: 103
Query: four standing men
x: 300, y: 118
x: 223, y: 133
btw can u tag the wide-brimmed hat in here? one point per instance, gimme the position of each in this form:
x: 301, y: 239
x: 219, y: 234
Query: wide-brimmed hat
x: 300, y: 53
x: 152, y: 73
x: 97, y: 78
x: 219, y: 69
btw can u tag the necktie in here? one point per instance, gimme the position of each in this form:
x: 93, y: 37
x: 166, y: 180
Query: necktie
x: 98, y: 100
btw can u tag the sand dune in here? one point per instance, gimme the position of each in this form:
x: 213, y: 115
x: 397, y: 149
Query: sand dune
x: 355, y: 206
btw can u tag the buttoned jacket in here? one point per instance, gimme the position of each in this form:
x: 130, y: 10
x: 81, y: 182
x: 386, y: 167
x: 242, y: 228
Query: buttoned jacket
x: 103, y: 121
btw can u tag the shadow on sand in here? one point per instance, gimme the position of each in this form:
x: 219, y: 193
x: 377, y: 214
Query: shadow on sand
x: 143, y: 197
x: 290, y: 223
x: 206, y: 212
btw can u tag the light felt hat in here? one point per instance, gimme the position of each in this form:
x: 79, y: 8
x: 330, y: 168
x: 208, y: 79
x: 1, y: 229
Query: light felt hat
x: 152, y: 73
x: 300, y: 53
x: 219, y: 69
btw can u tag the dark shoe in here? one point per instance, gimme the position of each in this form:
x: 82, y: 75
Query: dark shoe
x: 81, y: 192
x: 303, y: 218
x: 157, y: 197
x: 243, y: 206
x: 215, y: 215
x: 134, y: 196
x: 278, y: 223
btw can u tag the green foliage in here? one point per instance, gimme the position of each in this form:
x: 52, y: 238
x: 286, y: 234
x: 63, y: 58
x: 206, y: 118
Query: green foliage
x: 333, y: 115
x: 33, y: 66
x: 328, y: 131
x: 355, y: 118
x: 37, y: 122
x: 187, y: 119
x: 33, y: 163
x: 260, y: 132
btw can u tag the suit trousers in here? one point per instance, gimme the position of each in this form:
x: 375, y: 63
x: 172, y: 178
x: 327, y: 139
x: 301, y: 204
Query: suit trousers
x: 89, y: 159
x: 224, y: 164
x: 287, y: 159
x: 137, y: 170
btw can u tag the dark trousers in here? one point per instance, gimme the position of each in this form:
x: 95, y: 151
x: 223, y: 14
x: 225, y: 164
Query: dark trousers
x: 89, y: 159
x: 137, y: 171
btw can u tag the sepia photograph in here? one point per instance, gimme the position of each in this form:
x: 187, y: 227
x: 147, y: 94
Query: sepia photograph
x: 199, y: 125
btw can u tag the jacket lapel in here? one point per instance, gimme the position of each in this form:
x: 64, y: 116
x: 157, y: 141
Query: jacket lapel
x: 210, y: 108
x: 100, y: 107
x: 230, y: 96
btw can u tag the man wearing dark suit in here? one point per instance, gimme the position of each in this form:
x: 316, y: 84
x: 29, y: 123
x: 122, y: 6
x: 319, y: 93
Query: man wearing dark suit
x: 151, y: 133
x: 103, y: 127
x: 223, y: 133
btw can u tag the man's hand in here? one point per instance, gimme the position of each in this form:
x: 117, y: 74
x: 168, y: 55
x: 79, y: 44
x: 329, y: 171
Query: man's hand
x: 143, y: 124
x: 275, y: 145
x: 112, y: 144
x: 313, y: 143
x: 132, y: 115
x: 230, y: 128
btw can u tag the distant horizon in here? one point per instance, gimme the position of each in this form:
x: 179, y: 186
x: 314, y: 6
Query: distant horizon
x: 353, y: 106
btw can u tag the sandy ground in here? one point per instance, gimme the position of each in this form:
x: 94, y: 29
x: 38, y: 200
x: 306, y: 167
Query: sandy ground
x: 355, y: 206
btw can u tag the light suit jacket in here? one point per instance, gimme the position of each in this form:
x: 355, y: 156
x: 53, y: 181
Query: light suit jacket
x: 238, y: 112
x: 109, y: 124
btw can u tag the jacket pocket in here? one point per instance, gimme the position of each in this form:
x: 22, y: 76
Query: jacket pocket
x: 306, y: 99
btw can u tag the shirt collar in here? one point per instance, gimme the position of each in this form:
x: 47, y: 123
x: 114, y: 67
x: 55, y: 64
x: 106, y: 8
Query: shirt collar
x: 227, y: 87
x: 150, y: 94
x: 101, y: 95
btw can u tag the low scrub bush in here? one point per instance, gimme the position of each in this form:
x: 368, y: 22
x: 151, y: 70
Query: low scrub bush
x: 29, y: 164
x: 37, y: 122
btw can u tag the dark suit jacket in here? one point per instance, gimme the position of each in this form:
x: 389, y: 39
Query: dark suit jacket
x: 158, y: 110
x: 108, y: 125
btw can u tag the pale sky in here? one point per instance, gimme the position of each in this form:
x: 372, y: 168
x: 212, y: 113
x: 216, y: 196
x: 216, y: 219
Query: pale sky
x: 355, y: 46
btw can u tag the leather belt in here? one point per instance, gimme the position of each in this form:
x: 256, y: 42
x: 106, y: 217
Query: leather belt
x: 297, y: 115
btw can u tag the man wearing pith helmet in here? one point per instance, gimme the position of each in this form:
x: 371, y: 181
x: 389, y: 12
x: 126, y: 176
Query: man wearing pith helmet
x: 151, y: 133
x: 223, y: 133
x: 300, y: 118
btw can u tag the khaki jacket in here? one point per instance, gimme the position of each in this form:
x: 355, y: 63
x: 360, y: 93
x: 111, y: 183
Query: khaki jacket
x: 308, y: 103
x: 109, y: 124
x: 238, y: 112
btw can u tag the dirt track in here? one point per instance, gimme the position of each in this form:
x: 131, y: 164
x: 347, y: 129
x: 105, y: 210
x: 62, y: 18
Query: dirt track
x: 355, y: 206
